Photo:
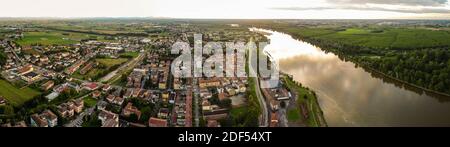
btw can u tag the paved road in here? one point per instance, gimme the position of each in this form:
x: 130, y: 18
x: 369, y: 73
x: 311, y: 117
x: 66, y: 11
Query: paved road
x: 264, y: 121
x: 196, y: 102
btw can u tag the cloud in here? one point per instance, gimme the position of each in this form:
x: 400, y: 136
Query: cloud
x: 400, y: 6
x: 371, y: 8
x: 393, y: 2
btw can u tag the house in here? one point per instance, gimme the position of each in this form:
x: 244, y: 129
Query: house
x: 163, y: 113
x: 177, y: 84
x: 30, y: 77
x: 110, y: 98
x: 70, y: 108
x: 108, y: 119
x: 47, y: 85
x: 2, y: 101
x: 96, y: 94
x: 165, y: 96
x: 90, y: 86
x: 136, y: 93
x: 118, y: 100
x: 213, y: 123
x: 101, y: 105
x: 128, y: 93
x: 157, y: 122
x: 46, y: 119
x: 211, y: 82
x: 25, y: 69
x: 106, y: 88
x: 130, y: 109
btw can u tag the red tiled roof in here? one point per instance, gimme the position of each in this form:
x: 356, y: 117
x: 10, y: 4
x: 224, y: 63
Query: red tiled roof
x: 156, y: 122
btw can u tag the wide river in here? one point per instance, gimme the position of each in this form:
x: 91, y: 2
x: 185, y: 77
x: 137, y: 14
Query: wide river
x: 351, y: 96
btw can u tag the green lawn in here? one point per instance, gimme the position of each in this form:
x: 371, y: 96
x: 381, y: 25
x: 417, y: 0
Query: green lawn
x: 129, y: 54
x: 111, y: 62
x: 238, y: 111
x: 89, y: 101
x: 294, y: 115
x: 16, y: 96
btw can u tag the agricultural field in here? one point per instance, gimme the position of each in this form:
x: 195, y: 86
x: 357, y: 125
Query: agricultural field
x: 53, y: 38
x: 16, y: 96
x: 401, y: 38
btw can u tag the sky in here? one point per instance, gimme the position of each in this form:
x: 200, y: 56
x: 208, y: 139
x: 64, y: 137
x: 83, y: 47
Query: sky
x: 231, y: 9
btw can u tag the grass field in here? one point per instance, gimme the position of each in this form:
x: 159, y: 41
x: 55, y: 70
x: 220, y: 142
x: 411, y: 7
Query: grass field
x: 53, y: 37
x: 294, y: 115
x: 130, y: 54
x: 16, y: 96
x: 89, y: 101
x: 405, y: 38
x: 111, y: 62
x: 96, y: 73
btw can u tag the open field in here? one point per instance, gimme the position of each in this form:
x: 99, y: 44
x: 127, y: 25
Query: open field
x: 53, y: 37
x: 111, y: 62
x: 106, y: 65
x: 16, y: 96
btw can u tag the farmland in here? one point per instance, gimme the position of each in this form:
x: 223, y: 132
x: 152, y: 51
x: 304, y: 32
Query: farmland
x: 53, y: 38
x: 16, y: 96
x: 379, y: 38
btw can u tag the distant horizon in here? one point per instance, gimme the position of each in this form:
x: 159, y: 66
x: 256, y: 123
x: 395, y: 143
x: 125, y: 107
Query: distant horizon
x: 230, y: 9
x: 151, y: 17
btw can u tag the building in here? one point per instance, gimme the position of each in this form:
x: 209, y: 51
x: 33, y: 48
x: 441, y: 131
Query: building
x: 25, y: 69
x: 108, y: 119
x: 90, y: 86
x: 30, y: 77
x: 130, y: 109
x: 2, y: 101
x: 45, y: 119
x: 48, y: 85
x: 157, y: 122
x: 211, y: 82
x: 96, y: 94
x: 213, y: 123
x: 70, y: 108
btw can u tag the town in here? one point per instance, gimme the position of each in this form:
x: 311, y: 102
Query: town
x: 55, y: 76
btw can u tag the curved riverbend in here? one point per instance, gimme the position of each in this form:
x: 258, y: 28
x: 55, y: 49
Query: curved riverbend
x: 351, y: 96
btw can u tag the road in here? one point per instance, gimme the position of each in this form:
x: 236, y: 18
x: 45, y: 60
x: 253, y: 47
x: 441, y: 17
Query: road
x: 264, y: 120
x: 196, y: 102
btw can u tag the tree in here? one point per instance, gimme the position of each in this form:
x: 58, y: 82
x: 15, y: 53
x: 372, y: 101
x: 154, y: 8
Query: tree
x: 283, y: 104
x: 225, y: 103
x: 133, y: 117
x: 8, y: 110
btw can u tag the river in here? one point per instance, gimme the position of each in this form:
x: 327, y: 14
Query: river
x: 351, y: 96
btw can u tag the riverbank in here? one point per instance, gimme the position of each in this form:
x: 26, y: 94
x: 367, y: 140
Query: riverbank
x: 304, y: 103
